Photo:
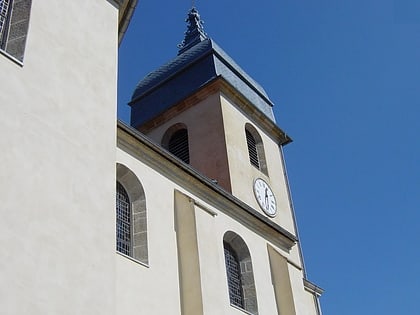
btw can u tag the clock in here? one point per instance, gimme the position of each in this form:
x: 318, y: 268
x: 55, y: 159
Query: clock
x: 265, y: 197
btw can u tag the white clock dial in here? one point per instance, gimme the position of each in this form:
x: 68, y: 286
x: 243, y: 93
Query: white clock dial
x: 265, y: 197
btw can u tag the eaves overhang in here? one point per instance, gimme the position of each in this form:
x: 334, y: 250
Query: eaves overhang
x: 254, y: 113
x: 312, y: 287
x: 153, y: 155
x: 125, y: 13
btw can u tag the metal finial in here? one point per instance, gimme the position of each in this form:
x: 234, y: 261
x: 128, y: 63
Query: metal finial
x: 195, y: 31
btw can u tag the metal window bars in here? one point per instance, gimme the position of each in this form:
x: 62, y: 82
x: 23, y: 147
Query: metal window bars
x: 4, y: 15
x: 123, y: 210
x: 233, y: 272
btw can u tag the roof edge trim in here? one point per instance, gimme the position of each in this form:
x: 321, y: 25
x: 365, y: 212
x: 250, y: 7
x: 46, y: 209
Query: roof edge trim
x: 312, y: 287
x: 126, y: 11
x: 242, y: 77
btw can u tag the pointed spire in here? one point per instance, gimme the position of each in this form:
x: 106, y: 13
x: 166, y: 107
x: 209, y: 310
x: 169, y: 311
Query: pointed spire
x: 195, y: 31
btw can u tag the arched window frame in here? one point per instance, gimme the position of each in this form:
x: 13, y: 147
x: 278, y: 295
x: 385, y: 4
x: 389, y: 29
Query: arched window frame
x: 138, y: 222
x: 235, y: 248
x: 168, y: 139
x: 255, y: 147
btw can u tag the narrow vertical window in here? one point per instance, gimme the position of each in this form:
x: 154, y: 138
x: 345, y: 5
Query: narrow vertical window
x: 178, y: 145
x: 233, y: 273
x: 131, y: 214
x: 123, y: 209
x: 14, y: 24
x: 252, y: 149
x: 255, y: 148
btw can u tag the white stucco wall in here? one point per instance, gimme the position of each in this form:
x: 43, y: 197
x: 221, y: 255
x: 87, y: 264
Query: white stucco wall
x: 57, y: 166
x: 151, y: 289
x: 243, y: 174
x: 154, y: 289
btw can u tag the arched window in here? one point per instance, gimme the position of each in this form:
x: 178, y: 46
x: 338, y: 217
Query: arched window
x: 239, y: 273
x: 175, y: 141
x: 131, y: 216
x: 123, y: 209
x: 255, y: 148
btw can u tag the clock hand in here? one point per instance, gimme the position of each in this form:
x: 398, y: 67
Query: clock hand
x: 266, y: 198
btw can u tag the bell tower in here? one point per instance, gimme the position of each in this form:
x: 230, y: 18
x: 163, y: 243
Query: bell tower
x: 202, y: 107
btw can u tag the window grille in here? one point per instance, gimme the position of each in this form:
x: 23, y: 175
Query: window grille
x: 252, y: 149
x: 178, y: 145
x: 233, y: 272
x: 4, y: 15
x: 14, y: 25
x: 123, y: 210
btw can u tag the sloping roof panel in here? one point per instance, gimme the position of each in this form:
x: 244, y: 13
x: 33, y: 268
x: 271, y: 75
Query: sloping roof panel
x: 185, y: 74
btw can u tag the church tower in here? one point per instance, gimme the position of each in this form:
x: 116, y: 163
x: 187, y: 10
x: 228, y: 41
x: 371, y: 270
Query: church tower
x: 206, y: 110
x: 206, y: 155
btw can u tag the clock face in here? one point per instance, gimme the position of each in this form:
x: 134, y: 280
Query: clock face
x: 265, y: 197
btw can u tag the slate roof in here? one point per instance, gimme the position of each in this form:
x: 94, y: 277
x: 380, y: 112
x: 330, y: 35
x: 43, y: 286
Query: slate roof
x: 197, y: 64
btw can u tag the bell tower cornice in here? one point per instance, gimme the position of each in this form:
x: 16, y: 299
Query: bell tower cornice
x: 220, y: 85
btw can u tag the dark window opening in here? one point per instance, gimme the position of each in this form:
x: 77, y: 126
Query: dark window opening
x: 178, y: 145
x: 252, y: 149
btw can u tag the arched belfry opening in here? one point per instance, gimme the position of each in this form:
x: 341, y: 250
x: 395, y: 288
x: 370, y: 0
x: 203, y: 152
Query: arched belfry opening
x: 175, y: 140
x: 255, y: 146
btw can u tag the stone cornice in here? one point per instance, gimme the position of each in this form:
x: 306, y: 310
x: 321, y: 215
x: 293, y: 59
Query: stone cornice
x: 313, y: 288
x: 254, y: 113
x: 138, y: 145
x: 126, y: 11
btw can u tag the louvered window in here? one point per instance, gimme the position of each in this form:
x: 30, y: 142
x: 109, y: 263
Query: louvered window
x: 178, y: 145
x: 252, y: 149
x: 123, y: 209
x: 233, y: 272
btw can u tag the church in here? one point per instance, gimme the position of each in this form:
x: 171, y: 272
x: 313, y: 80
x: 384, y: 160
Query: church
x: 185, y: 211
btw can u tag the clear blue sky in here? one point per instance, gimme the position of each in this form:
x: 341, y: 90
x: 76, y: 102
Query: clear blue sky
x: 344, y: 76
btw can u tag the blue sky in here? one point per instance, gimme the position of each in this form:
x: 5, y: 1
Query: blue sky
x: 344, y: 77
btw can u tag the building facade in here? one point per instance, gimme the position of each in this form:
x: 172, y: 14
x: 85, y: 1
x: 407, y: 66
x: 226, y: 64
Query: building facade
x: 57, y: 170
x: 189, y: 212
